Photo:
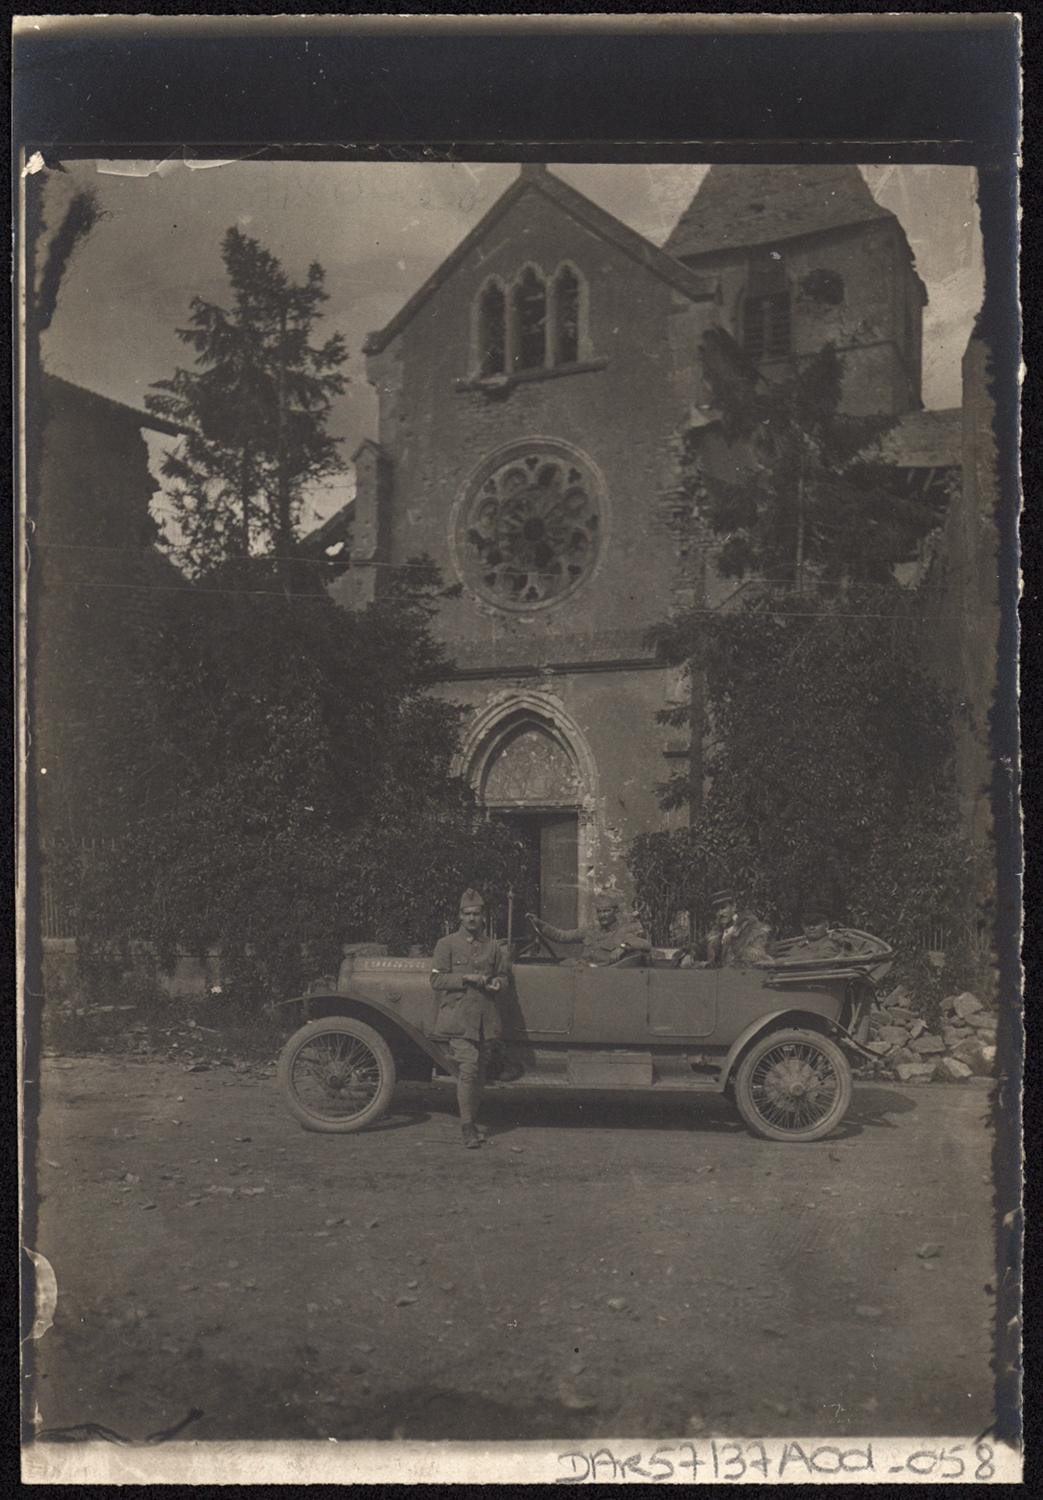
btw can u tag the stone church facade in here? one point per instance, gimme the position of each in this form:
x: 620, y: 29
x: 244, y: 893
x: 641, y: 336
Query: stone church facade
x: 531, y: 397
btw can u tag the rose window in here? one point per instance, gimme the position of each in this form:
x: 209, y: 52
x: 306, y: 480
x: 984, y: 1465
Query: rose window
x: 528, y: 530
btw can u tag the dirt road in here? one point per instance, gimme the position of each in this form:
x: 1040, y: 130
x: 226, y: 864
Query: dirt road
x: 604, y: 1265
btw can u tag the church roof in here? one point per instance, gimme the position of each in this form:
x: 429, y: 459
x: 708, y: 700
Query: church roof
x: 738, y: 205
x: 534, y: 178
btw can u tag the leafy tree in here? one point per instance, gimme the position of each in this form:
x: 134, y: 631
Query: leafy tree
x: 829, y: 769
x: 828, y: 762
x: 284, y: 772
x: 257, y: 407
x: 300, y: 793
x: 787, y: 482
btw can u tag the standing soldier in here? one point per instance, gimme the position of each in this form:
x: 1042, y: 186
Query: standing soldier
x: 469, y: 973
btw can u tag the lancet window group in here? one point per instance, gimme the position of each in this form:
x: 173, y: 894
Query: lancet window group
x: 530, y: 324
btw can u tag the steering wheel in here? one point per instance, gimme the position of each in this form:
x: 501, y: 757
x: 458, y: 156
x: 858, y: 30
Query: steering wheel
x: 542, y: 941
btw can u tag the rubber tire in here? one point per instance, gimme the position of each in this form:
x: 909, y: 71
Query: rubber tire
x: 338, y: 1026
x: 746, y: 1103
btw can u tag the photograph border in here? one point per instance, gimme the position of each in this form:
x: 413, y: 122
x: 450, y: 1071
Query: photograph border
x: 942, y: 89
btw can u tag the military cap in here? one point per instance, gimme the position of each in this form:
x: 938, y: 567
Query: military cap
x: 608, y: 898
x: 722, y: 898
x: 471, y: 897
x: 816, y: 907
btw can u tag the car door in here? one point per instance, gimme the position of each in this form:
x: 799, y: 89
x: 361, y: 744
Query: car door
x: 611, y: 1005
x: 682, y: 1002
x: 540, y: 1001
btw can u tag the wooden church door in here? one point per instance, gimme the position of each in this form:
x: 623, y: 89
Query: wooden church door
x: 559, y: 868
x: 532, y: 783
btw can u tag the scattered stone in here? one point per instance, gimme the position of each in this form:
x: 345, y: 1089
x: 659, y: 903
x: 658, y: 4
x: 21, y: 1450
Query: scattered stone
x: 915, y: 1072
x: 695, y: 1426
x: 148, y: 1205
x: 956, y: 1069
x: 372, y: 1223
x: 984, y: 1022
x: 252, y: 1192
x: 448, y: 1286
x: 898, y: 996
x: 976, y: 1056
x: 405, y: 1301
x: 865, y: 1311
x: 893, y: 1034
x: 966, y: 1004
x: 901, y: 1016
x: 930, y: 1251
x: 917, y: 1028
x: 617, y: 1304
x: 928, y: 1043
x: 332, y: 1223
x: 412, y: 1285
x: 880, y: 1048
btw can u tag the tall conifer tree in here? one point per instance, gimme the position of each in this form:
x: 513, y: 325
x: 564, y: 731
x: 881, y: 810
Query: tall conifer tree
x: 257, y: 403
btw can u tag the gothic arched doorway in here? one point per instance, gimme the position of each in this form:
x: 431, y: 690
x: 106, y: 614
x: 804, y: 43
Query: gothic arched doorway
x: 531, y: 769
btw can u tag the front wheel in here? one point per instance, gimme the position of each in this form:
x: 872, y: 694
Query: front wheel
x: 336, y: 1075
x: 793, y: 1086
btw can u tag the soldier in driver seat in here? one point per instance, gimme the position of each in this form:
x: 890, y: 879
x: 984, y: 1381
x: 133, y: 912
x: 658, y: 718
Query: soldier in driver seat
x: 607, y: 940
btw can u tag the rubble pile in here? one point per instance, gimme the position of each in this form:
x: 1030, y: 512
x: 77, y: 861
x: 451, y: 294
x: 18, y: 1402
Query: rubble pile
x: 965, y: 1045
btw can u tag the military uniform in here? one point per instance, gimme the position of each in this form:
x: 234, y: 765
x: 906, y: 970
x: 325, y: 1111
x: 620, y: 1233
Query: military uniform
x: 803, y: 949
x: 601, y: 945
x: 466, y: 1010
x: 830, y: 945
x: 743, y: 941
x: 468, y: 1019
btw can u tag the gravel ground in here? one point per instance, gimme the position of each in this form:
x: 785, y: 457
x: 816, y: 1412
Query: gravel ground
x: 605, y: 1264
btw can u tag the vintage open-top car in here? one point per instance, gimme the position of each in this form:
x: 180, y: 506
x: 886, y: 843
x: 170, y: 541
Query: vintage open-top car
x: 772, y: 1037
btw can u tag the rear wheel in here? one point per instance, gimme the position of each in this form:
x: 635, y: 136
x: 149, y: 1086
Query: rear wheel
x: 336, y: 1075
x: 793, y: 1086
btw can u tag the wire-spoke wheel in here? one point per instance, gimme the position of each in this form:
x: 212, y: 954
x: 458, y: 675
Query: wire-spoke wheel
x: 336, y: 1075
x: 793, y: 1086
